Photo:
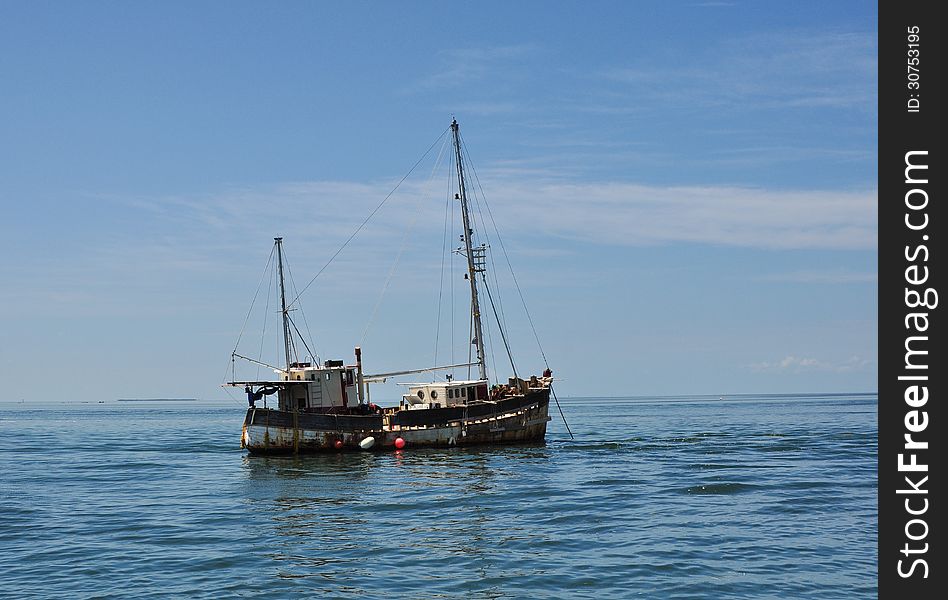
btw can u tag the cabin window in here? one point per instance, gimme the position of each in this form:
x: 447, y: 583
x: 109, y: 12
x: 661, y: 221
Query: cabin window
x: 298, y: 378
x: 328, y: 376
x: 434, y: 394
x: 421, y: 394
x: 349, y: 377
x: 450, y: 393
x: 313, y: 377
x: 462, y: 391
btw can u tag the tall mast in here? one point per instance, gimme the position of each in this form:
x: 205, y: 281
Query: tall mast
x: 286, y: 315
x: 471, y: 267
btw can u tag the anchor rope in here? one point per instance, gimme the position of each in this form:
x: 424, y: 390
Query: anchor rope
x: 557, y: 400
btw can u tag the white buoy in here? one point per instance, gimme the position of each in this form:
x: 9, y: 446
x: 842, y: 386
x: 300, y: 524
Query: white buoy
x: 367, y: 443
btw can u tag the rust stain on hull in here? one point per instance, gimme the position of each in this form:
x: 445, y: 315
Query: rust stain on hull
x: 527, y: 424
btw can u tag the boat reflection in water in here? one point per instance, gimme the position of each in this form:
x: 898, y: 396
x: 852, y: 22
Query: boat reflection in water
x: 334, y: 519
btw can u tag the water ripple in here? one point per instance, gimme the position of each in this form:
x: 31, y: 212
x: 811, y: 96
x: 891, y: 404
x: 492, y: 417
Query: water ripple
x: 691, y: 498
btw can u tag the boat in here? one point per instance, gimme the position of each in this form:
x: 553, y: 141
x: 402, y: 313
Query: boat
x: 326, y: 407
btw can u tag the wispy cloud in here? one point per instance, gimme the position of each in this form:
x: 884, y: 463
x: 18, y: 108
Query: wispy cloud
x: 634, y: 214
x: 830, y: 69
x: 617, y: 213
x: 222, y: 236
x: 468, y: 66
x: 799, y: 364
x: 822, y: 277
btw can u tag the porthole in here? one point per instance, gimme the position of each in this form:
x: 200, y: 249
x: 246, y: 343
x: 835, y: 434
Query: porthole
x: 421, y: 394
x: 434, y: 394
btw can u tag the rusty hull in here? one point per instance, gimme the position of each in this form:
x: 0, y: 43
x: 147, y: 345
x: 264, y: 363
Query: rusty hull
x: 267, y: 431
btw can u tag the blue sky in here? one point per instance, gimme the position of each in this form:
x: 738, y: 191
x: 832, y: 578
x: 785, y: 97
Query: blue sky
x: 687, y: 190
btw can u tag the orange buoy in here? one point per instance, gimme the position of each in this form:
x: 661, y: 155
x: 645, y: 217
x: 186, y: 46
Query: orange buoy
x: 399, y: 443
x: 338, y: 444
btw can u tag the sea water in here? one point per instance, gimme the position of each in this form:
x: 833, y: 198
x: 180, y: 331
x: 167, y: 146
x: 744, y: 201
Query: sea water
x: 687, y: 497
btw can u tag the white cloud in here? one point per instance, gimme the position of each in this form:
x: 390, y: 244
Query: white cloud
x: 829, y: 69
x: 634, y: 214
x: 462, y: 67
x: 822, y: 277
x: 225, y: 236
x: 797, y: 364
x: 537, y: 204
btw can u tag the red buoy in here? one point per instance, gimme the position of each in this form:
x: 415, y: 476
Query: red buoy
x: 338, y: 444
x: 399, y: 443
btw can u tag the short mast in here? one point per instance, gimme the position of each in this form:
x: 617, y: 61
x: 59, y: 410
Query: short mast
x: 471, y: 267
x: 286, y: 315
